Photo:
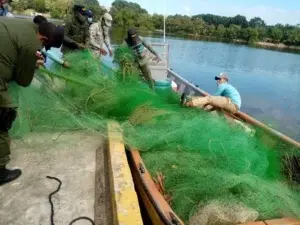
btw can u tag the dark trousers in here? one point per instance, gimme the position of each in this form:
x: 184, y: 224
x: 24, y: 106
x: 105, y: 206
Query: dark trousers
x: 147, y: 74
x: 7, y: 117
x: 4, y: 148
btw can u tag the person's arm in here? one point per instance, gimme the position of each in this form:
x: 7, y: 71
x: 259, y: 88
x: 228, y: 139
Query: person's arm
x: 220, y: 90
x: 93, y: 35
x: 87, y: 35
x: 25, y: 66
x: 150, y: 48
x: 106, y: 38
x: 124, y: 44
x: 67, y: 39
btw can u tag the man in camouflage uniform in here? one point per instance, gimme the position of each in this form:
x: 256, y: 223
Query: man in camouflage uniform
x: 77, y: 30
x: 18, y: 61
x: 99, y: 35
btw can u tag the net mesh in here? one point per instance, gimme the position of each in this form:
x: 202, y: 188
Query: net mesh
x: 210, y: 165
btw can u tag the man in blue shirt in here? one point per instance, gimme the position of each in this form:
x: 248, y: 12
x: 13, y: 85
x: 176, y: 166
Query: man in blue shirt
x: 226, y: 97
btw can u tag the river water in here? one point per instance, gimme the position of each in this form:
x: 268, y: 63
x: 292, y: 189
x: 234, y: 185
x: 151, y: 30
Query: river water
x: 268, y: 81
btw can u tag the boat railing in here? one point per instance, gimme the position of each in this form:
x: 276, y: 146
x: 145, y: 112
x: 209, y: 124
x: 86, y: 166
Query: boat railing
x: 159, y: 68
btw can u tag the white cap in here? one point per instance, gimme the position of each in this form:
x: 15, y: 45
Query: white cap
x: 107, y: 19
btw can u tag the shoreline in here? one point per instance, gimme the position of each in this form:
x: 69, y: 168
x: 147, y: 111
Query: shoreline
x: 280, y: 47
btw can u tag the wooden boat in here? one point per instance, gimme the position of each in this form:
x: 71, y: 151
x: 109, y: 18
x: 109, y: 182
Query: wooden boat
x: 155, y: 208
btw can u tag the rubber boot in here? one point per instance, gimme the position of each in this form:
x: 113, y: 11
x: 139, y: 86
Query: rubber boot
x: 7, y: 176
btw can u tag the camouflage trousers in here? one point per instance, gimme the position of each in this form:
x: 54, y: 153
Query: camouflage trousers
x: 146, y: 73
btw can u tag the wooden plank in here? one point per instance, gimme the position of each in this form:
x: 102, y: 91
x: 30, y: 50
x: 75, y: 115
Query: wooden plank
x: 126, y: 210
x: 284, y: 221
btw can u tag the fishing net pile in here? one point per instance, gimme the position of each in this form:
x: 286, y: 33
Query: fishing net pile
x: 215, y: 172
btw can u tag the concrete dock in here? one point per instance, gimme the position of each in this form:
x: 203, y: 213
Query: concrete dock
x: 78, y: 160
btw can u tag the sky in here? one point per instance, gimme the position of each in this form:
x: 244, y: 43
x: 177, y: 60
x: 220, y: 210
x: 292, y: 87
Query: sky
x: 272, y: 11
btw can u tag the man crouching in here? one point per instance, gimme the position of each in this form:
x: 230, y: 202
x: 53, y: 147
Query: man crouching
x: 226, y: 97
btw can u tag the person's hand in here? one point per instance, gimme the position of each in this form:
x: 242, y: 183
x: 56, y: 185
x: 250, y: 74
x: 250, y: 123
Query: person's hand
x: 111, y: 53
x: 103, y: 51
x: 81, y: 46
x: 157, y: 58
x: 189, y: 104
x: 66, y: 64
x: 40, y: 59
x: 39, y: 62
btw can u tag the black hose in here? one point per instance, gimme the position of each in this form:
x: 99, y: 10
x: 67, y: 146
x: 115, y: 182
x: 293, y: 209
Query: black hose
x: 52, y: 206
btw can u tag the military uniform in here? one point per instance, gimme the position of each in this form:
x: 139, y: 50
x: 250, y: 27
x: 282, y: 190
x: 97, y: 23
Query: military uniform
x: 19, y: 44
x: 75, y: 33
x: 99, y: 35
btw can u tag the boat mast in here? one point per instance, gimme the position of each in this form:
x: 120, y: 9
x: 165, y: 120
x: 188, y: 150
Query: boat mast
x: 164, y: 20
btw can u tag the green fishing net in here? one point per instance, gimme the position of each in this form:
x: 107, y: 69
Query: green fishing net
x: 210, y: 165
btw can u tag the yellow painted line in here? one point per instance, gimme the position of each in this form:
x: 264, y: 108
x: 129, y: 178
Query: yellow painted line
x: 126, y: 210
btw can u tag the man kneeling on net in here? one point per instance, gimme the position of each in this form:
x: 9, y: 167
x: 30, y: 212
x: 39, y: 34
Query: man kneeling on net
x: 226, y: 97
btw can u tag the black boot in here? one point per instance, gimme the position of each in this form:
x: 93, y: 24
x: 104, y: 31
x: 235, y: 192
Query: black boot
x: 7, y: 176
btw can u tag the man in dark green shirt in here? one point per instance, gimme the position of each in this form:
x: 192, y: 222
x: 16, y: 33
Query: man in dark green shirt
x: 77, y: 34
x: 20, y: 40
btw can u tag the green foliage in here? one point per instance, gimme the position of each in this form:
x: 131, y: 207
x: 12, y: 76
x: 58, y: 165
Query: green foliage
x: 257, y: 22
x: 121, y: 4
x: 57, y: 8
x: 127, y: 14
x: 21, y: 5
x: 239, y: 20
x: 276, y: 34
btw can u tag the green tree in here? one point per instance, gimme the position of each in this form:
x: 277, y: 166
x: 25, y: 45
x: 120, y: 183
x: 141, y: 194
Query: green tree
x: 293, y: 37
x: 39, y: 6
x: 121, y: 4
x: 276, y: 34
x: 257, y: 22
x: 125, y: 18
x: 21, y: 5
x: 262, y: 33
x: 144, y: 22
x: 253, y: 35
x: 221, y: 31
x: 158, y: 21
x: 233, y: 32
x: 198, y: 26
x: 240, y: 21
x: 58, y: 8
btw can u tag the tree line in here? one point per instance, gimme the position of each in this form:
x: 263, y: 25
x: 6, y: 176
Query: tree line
x: 127, y: 14
x: 58, y: 9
